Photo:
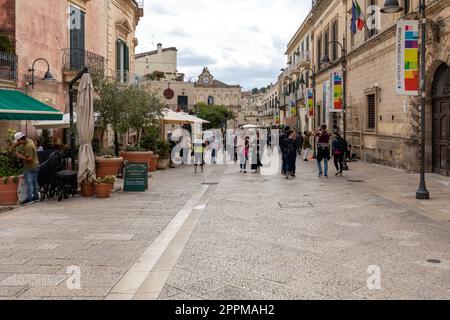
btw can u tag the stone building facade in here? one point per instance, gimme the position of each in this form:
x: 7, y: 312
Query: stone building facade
x: 382, y: 126
x: 72, y: 35
x: 162, y: 59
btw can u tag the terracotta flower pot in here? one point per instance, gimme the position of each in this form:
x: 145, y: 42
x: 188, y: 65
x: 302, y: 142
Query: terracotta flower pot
x: 8, y: 191
x: 163, y: 164
x: 87, y: 189
x: 153, y: 163
x: 137, y: 156
x: 103, y: 190
x: 107, y: 166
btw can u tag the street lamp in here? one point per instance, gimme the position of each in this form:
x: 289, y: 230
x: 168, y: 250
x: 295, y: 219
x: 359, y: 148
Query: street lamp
x: 302, y: 82
x: 326, y: 61
x: 392, y: 6
x: 48, y: 75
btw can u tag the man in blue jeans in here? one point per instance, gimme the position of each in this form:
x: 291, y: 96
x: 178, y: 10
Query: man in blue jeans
x: 323, y: 149
x: 26, y: 151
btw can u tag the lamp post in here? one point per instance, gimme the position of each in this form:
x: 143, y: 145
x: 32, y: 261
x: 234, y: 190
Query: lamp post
x: 326, y: 61
x: 302, y: 82
x: 392, y: 6
x: 48, y: 75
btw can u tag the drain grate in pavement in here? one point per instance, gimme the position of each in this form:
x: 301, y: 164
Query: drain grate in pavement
x: 434, y: 261
x: 210, y: 183
x: 295, y: 205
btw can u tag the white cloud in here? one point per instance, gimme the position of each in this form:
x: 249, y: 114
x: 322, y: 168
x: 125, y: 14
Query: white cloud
x: 243, y: 41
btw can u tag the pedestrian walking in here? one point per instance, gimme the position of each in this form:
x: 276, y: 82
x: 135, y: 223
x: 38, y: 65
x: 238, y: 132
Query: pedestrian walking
x: 26, y: 151
x: 256, y: 158
x: 306, y: 145
x: 282, y: 142
x: 199, y: 151
x: 339, y: 149
x: 291, y: 154
x: 243, y: 150
x: 323, y: 150
x: 299, y: 143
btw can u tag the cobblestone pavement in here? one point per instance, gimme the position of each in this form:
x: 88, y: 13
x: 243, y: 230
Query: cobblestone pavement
x: 226, y: 235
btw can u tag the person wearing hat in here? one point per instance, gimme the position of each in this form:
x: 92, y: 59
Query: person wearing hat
x: 27, y: 152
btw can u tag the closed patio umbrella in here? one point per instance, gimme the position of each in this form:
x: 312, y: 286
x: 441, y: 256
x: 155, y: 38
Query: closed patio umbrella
x: 85, y: 127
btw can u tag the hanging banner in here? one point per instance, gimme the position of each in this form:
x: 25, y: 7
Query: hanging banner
x: 293, y: 109
x: 277, y: 117
x: 407, y: 64
x: 326, y: 95
x: 336, y: 98
x: 310, y: 102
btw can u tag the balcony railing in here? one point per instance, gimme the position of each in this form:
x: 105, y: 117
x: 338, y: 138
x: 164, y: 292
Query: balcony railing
x: 304, y: 59
x: 8, y: 66
x: 78, y: 59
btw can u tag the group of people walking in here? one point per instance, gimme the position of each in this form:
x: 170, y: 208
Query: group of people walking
x: 293, y: 143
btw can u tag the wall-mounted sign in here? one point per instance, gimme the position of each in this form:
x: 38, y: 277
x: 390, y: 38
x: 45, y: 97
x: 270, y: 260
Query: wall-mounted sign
x: 169, y: 94
x: 293, y: 108
x: 326, y: 95
x: 337, y: 97
x: 407, y: 54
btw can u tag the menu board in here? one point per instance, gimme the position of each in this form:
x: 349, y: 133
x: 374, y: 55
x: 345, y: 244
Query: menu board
x: 136, y: 177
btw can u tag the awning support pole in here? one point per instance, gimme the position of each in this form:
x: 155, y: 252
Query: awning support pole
x: 72, y: 126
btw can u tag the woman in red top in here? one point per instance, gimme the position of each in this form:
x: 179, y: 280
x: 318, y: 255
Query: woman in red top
x: 323, y: 149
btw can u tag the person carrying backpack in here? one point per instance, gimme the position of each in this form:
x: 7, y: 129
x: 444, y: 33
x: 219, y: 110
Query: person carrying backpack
x: 339, y: 149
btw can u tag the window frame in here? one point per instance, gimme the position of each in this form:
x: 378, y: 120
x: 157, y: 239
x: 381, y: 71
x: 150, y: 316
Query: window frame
x: 367, y: 93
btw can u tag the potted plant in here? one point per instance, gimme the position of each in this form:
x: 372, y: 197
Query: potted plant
x: 10, y: 174
x: 107, y: 164
x: 150, y: 141
x: 137, y: 155
x: 104, y: 186
x: 164, y: 155
x: 87, y: 189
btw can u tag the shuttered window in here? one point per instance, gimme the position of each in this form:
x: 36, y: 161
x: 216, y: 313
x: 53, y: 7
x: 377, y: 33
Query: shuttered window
x: 371, y: 112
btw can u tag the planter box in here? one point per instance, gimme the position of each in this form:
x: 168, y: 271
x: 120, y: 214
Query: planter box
x: 138, y: 157
x: 153, y: 163
x: 108, y: 166
x: 8, y: 191
x: 163, y: 164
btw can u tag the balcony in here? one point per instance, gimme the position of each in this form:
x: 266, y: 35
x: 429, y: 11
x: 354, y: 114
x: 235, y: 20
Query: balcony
x: 303, y: 60
x: 8, y: 67
x: 140, y: 5
x: 75, y: 60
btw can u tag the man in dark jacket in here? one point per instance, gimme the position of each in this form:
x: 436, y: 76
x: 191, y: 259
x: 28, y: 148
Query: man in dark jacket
x: 283, y: 138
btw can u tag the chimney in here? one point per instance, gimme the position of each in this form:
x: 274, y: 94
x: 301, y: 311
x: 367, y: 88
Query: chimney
x: 159, y: 48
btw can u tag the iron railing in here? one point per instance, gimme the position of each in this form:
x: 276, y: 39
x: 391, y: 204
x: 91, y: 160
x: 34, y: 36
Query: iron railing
x: 8, y: 66
x: 78, y: 59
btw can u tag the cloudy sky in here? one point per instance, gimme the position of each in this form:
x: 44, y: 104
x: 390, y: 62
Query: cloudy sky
x: 240, y: 41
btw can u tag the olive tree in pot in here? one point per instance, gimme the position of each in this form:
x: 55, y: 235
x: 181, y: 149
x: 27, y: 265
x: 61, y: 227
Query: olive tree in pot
x: 111, y: 114
x: 143, y: 111
x: 164, y: 155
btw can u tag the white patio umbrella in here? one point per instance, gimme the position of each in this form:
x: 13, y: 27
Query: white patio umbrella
x: 85, y: 127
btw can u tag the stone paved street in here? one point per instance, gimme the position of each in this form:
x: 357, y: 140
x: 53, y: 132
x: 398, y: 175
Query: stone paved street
x: 226, y: 235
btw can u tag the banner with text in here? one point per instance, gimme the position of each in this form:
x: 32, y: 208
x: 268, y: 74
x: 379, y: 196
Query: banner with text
x: 407, y: 65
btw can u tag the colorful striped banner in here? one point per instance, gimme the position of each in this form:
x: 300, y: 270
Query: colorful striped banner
x: 407, y: 77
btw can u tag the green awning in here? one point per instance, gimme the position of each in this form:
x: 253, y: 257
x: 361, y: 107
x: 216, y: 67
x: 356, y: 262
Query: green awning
x: 15, y: 105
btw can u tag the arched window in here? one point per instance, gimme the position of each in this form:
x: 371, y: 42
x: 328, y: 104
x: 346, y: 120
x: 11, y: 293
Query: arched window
x: 210, y: 100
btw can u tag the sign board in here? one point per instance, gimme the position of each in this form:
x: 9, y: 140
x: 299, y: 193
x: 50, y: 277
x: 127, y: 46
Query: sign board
x: 293, y: 108
x: 326, y: 96
x: 407, y: 54
x: 136, y: 177
x: 337, y: 97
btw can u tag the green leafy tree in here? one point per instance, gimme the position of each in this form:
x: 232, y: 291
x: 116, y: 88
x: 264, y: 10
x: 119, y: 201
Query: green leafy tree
x: 255, y: 91
x: 156, y: 75
x: 215, y: 114
x: 143, y: 109
x: 263, y: 90
x: 110, y: 107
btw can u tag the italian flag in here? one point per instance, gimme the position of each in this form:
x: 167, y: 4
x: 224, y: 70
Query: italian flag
x: 357, y: 17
